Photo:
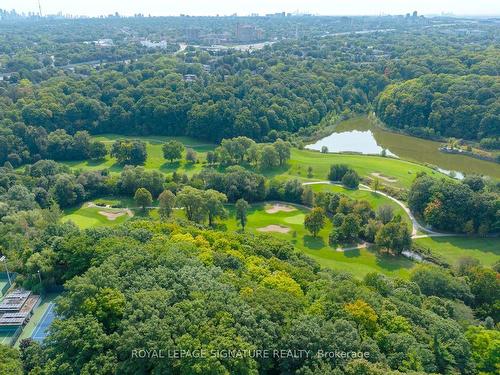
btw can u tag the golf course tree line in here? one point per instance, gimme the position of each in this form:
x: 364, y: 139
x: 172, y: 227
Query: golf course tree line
x: 171, y: 283
x: 468, y: 206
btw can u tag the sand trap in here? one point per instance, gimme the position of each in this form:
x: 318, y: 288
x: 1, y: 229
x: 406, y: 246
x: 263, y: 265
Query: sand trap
x: 274, y: 228
x: 279, y: 207
x: 385, y: 178
x: 111, y: 216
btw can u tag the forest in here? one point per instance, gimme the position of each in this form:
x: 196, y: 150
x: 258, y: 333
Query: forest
x: 163, y: 199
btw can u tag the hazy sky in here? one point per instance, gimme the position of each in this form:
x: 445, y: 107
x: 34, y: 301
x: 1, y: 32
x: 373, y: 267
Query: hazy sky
x: 245, y: 7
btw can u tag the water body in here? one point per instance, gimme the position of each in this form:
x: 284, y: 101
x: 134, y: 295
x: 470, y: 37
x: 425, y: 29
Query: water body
x: 359, y: 135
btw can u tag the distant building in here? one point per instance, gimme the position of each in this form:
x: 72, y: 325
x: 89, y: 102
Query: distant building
x: 248, y: 33
x: 192, y: 34
x: 104, y: 42
x: 190, y: 77
x: 149, y: 44
x: 415, y: 14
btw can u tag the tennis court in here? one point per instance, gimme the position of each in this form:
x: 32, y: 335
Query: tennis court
x: 42, y: 328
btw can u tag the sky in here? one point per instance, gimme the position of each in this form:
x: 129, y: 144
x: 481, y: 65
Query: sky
x: 246, y: 7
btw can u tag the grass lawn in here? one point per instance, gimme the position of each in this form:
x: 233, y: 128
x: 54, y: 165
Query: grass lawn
x: 155, y: 158
x: 87, y: 217
x: 403, y: 171
x: 451, y: 249
x: 374, y: 199
x: 359, y: 262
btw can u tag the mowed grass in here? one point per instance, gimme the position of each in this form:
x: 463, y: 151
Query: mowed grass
x: 451, y: 249
x: 403, y: 171
x: 358, y: 262
x: 155, y: 159
x: 375, y: 200
x: 87, y: 217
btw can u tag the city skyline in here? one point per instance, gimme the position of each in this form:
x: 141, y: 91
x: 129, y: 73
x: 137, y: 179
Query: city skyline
x: 242, y: 8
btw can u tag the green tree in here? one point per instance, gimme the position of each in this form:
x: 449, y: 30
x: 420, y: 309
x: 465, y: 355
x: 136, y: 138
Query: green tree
x: 314, y: 221
x: 351, y: 179
x: 143, y: 198
x: 337, y: 171
x: 241, y: 212
x: 193, y: 201
x: 97, y: 150
x: 172, y: 150
x: 269, y: 158
x: 191, y: 156
x: 214, y: 203
x: 394, y: 236
x: 10, y: 362
x: 283, y: 149
x: 166, y: 203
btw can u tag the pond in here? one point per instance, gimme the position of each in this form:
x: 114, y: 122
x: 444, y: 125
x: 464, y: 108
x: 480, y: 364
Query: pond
x: 360, y: 135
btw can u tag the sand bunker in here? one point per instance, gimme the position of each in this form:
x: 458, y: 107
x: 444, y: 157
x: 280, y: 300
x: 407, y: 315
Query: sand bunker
x: 112, y: 215
x: 385, y: 178
x: 279, y: 207
x: 274, y: 228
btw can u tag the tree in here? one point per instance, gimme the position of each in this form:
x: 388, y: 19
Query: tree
x: 351, y: 179
x: 191, y: 155
x: 97, y: 150
x: 211, y: 159
x: 307, y: 197
x: 269, y: 157
x: 363, y: 314
x: 337, y: 171
x: 375, y: 185
x: 10, y: 362
x: 143, y: 198
x: 241, y: 212
x: 172, y: 150
x: 394, y: 236
x: 129, y: 152
x: 166, y: 203
x: 214, y: 203
x: 314, y: 221
x: 350, y: 228
x: 385, y: 213
x: 283, y: 150
x: 193, y: 201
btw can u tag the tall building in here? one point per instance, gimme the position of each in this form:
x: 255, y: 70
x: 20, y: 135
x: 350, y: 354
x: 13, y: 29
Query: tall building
x: 248, y: 33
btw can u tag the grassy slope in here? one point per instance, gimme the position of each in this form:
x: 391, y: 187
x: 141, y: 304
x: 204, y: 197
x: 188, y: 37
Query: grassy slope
x: 403, y: 171
x: 155, y: 158
x: 451, y: 249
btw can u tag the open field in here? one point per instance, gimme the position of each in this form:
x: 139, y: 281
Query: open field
x: 155, y: 158
x: 404, y: 172
x: 451, y: 249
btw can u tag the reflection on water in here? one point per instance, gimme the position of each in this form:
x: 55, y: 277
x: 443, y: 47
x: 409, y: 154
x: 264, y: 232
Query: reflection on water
x: 359, y: 135
x: 360, y: 141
